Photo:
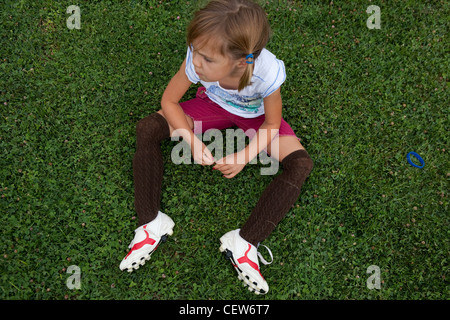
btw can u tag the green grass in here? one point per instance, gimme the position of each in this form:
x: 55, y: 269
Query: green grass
x: 360, y: 100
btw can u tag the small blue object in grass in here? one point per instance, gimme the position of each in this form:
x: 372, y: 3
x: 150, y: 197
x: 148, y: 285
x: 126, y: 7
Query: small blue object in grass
x: 408, y: 157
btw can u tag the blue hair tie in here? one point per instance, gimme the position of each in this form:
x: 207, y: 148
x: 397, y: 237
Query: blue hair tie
x: 249, y: 56
x: 408, y: 157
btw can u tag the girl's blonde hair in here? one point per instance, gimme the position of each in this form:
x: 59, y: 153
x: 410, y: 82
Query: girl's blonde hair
x: 240, y: 26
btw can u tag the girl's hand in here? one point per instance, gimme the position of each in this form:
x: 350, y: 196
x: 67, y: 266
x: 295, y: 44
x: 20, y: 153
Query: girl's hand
x: 201, y: 153
x: 230, y: 165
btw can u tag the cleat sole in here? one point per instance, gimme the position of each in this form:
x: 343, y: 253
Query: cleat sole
x: 135, y: 265
x: 252, y: 285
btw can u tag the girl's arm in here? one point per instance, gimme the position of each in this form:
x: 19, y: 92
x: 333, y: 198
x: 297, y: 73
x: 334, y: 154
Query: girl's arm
x: 173, y: 112
x: 268, y: 130
x: 232, y: 164
x: 176, y: 117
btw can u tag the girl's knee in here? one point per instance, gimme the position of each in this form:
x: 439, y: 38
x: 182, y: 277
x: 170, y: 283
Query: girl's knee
x: 153, y: 127
x: 299, y: 163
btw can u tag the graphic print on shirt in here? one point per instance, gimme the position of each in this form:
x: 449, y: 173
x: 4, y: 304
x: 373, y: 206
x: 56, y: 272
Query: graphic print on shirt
x: 245, y: 103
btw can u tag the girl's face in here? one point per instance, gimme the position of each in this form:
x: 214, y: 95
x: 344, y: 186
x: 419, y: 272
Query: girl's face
x: 211, y: 66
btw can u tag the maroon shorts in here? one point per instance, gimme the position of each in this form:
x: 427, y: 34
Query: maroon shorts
x: 209, y: 115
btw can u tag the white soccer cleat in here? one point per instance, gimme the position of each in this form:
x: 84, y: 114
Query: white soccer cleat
x: 244, y: 258
x: 146, y: 239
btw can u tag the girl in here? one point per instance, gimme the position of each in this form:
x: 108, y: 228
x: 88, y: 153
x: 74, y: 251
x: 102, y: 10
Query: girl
x: 241, y: 86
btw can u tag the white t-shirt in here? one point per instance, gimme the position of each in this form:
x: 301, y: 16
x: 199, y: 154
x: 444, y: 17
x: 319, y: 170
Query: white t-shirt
x: 268, y: 75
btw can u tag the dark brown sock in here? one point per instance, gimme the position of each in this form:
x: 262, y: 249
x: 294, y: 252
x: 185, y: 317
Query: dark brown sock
x: 148, y: 166
x: 278, y: 197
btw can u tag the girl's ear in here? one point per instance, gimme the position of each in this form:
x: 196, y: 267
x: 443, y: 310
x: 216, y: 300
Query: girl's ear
x: 242, y: 63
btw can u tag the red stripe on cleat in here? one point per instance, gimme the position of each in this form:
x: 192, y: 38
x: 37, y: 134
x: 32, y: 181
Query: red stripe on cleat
x: 139, y: 245
x: 252, y: 264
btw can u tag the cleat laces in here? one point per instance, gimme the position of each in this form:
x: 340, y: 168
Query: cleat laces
x: 261, y: 258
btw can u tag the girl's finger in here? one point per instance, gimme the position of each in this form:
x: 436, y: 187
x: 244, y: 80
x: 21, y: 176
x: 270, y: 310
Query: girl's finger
x: 229, y: 176
x: 227, y: 172
x: 207, y: 158
x: 226, y: 169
